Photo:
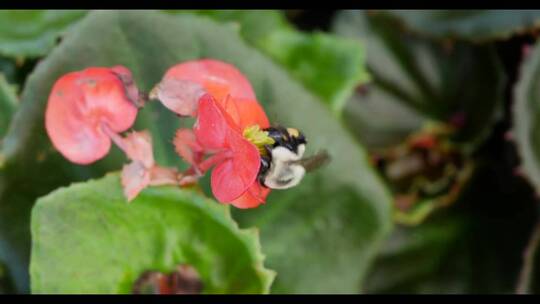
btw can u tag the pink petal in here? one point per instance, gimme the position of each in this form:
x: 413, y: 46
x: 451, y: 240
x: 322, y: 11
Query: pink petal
x: 187, y: 147
x: 131, y: 89
x: 163, y: 176
x: 138, y: 147
x: 135, y: 177
x: 179, y: 96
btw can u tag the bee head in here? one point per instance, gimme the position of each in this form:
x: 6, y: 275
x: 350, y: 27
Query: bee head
x: 280, y: 168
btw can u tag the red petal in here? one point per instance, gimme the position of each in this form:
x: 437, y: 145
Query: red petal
x: 217, y: 77
x: 106, y: 99
x: 227, y: 85
x: 231, y: 178
x: 79, y: 103
x: 245, y: 112
x: 255, y: 196
x: 214, y: 130
x: 78, y: 141
x: 211, y: 127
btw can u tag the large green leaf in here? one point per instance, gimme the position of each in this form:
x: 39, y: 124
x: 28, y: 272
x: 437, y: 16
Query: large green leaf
x: 87, y: 239
x: 33, y: 33
x: 473, y: 25
x: 415, y: 80
x: 343, y: 207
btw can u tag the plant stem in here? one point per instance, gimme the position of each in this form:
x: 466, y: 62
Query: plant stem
x: 525, y: 276
x: 117, y: 139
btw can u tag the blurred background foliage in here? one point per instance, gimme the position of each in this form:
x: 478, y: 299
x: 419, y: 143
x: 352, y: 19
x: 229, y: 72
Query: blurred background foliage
x: 430, y: 117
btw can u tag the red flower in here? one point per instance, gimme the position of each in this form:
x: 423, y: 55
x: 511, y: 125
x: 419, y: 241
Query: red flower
x: 227, y: 107
x: 85, y: 106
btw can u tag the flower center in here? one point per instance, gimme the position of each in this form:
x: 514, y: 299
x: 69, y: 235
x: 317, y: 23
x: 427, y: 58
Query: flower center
x: 258, y: 137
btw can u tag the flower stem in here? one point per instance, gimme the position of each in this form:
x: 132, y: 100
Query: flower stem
x: 117, y: 139
x: 195, y: 172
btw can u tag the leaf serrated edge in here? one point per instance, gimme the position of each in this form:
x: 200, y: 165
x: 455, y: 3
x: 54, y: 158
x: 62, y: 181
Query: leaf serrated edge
x: 220, y: 213
x: 251, y: 238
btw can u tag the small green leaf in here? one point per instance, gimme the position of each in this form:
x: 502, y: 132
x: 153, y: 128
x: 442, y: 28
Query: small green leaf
x: 472, y: 25
x: 329, y: 66
x: 87, y: 239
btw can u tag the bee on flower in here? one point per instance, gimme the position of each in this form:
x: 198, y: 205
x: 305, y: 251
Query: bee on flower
x: 232, y: 135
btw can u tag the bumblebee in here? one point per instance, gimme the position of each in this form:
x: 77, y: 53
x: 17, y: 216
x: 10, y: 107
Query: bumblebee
x: 280, y: 166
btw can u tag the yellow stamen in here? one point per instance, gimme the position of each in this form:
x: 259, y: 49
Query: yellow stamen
x: 258, y: 137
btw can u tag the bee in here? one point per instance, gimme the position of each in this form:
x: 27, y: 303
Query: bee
x: 282, y: 166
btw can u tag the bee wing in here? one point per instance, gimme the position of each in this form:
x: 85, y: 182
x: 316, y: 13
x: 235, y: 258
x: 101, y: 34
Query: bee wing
x: 314, y: 162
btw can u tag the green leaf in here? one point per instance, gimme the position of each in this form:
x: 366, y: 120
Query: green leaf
x: 343, y: 207
x: 32, y: 33
x: 328, y: 65
x: 526, y: 117
x: 8, y: 103
x: 472, y: 25
x: 416, y: 80
x: 253, y: 25
x: 87, y: 239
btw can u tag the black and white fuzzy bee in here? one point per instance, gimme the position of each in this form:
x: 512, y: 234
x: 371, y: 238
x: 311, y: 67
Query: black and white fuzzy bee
x: 282, y: 166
